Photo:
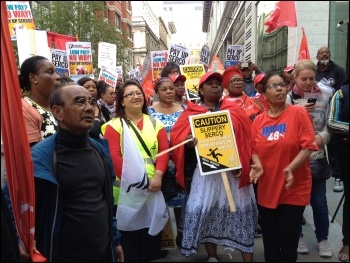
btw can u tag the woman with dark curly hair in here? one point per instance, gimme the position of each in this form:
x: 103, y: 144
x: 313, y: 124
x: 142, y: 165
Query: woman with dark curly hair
x: 37, y: 79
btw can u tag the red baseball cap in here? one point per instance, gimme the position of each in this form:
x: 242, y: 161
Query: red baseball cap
x: 208, y: 75
x: 288, y: 69
x: 177, y: 77
x: 258, y: 78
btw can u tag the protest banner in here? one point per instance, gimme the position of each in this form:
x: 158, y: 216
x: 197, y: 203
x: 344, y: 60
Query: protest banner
x: 205, y: 55
x: 158, y: 62
x: 146, y: 67
x: 179, y: 54
x: 234, y: 55
x: 58, y: 41
x: 59, y: 60
x: 19, y: 16
x: 216, y: 147
x: 192, y: 73
x: 107, y: 55
x: 32, y: 42
x: 79, y: 60
x: 109, y: 76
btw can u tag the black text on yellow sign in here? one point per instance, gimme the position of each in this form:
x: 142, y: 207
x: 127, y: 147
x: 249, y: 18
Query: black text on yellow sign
x: 216, y: 148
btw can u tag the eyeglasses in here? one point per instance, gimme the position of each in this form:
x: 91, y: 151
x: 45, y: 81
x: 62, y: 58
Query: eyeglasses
x: 82, y: 102
x: 112, y: 93
x: 275, y: 85
x: 236, y: 80
x: 130, y: 95
x: 119, y: 80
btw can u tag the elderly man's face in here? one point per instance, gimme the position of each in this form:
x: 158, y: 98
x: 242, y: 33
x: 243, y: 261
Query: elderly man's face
x: 77, y: 113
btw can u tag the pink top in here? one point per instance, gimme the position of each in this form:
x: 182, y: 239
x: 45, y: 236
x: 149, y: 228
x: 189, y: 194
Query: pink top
x: 33, y: 121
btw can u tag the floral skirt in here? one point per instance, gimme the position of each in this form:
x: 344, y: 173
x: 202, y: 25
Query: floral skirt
x: 207, y: 217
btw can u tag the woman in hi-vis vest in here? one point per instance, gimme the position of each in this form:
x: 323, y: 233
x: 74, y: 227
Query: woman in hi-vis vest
x: 150, y: 138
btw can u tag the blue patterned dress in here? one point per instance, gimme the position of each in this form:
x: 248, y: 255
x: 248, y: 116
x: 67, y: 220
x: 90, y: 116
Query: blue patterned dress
x: 169, y: 120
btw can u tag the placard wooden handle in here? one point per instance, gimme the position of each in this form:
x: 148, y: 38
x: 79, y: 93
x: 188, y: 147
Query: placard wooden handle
x: 172, y: 148
x: 228, y: 192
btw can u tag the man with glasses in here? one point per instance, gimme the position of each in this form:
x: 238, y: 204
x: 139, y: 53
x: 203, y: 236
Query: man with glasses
x: 332, y: 75
x: 73, y: 183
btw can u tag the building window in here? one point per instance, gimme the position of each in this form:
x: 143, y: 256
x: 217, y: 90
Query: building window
x: 105, y: 9
x: 129, y: 31
x: 117, y: 20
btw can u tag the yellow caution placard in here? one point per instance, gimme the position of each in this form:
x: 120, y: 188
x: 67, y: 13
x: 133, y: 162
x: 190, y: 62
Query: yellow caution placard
x: 193, y: 73
x: 216, y: 148
x: 168, y: 237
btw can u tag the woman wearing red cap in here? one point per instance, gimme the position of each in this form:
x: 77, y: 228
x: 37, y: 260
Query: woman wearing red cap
x: 179, y: 84
x: 232, y: 80
x: 207, y: 217
x: 259, y: 88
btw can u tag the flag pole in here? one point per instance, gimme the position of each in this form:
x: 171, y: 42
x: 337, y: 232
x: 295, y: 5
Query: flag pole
x: 296, y: 43
x: 296, y: 36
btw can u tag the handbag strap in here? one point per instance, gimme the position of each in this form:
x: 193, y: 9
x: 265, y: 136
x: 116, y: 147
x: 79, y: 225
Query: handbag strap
x: 140, y: 138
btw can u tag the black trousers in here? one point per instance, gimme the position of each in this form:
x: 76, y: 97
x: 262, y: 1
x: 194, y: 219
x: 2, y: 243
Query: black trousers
x: 139, y: 246
x: 281, y: 231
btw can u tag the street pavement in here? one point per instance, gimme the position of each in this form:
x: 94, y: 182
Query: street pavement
x: 334, y: 238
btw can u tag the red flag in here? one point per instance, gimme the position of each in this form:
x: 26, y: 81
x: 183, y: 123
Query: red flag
x: 18, y: 160
x: 283, y: 15
x: 147, y: 84
x: 58, y: 40
x: 216, y: 64
x: 304, y: 49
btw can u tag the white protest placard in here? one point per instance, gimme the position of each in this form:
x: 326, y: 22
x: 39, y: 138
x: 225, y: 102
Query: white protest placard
x: 59, y: 60
x: 179, y: 54
x: 32, y: 42
x: 79, y: 60
x: 120, y: 71
x: 234, y: 55
x: 205, y: 55
x: 107, y: 55
x: 109, y: 76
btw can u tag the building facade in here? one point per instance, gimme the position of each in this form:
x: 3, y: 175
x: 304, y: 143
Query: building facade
x: 119, y: 14
x: 150, y: 31
x: 241, y: 23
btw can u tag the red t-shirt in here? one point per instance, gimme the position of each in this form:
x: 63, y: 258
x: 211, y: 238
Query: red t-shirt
x: 277, y: 141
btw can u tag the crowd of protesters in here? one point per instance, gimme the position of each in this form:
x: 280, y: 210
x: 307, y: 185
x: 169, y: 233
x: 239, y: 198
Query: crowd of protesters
x: 76, y: 134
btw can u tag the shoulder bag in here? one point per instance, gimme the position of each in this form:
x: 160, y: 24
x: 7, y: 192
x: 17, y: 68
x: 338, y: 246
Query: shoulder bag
x: 169, y: 186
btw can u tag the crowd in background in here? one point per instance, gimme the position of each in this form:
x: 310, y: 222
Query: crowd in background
x: 76, y: 135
